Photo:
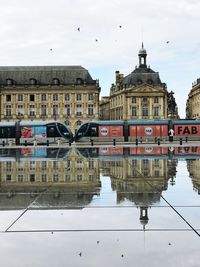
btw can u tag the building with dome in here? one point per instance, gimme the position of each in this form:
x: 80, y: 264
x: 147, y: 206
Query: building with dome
x: 139, y: 95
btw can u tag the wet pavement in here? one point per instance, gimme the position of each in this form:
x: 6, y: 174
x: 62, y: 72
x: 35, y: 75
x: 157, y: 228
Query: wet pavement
x: 100, y: 206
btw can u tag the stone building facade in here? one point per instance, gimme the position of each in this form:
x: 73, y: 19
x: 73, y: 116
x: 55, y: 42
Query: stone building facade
x: 193, y: 101
x: 139, y: 95
x: 66, y: 93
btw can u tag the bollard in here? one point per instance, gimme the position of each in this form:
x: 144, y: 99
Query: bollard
x: 158, y: 141
x: 35, y: 142
x: 136, y: 141
x: 186, y: 139
x: 114, y: 142
x: 3, y: 143
x: 92, y: 142
x: 25, y: 142
x: 47, y: 142
x: 181, y: 141
x: 141, y: 139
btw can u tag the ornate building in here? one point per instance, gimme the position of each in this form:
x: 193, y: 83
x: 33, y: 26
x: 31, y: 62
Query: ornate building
x: 193, y: 101
x: 66, y: 176
x: 193, y: 166
x: 139, y: 95
x: 66, y: 93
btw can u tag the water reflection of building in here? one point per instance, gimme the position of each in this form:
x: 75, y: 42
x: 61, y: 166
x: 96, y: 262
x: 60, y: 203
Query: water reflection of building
x: 140, y: 180
x: 193, y: 166
x: 63, y: 181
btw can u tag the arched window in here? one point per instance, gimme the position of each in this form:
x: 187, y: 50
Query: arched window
x: 9, y: 81
x: 149, y: 81
x: 139, y: 81
x: 56, y: 81
x: 33, y: 81
x: 79, y: 81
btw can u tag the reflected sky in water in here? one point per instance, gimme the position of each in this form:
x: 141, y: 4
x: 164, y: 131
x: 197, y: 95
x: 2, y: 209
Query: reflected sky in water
x: 108, y: 206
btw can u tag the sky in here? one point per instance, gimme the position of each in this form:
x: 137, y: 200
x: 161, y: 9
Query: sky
x: 45, y: 32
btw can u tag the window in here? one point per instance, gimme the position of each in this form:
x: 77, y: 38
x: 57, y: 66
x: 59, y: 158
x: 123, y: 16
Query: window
x: 43, y: 165
x: 56, y: 81
x: 32, y: 165
x: 8, y: 98
x: 134, y: 111
x: 78, y: 123
x: 43, y: 178
x: 20, y: 97
x: 8, y: 177
x: 55, y: 97
x: 67, y: 97
x: 9, y: 82
x: 156, y: 162
x: 133, y: 99
x: 79, y: 177
x: 79, y: 110
x: 156, y: 99
x: 55, y: 178
x: 43, y: 97
x: 79, y: 164
x: 8, y: 166
x: 91, y: 177
x: 32, y: 178
x: 90, y: 97
x: 145, y: 169
x: 78, y: 97
x: 79, y: 81
x: 33, y: 81
x: 90, y: 109
x: 67, y: 178
x: 32, y: 110
x: 8, y: 110
x: 156, y: 111
x: 55, y: 165
x: 32, y: 97
x: 43, y: 110
x: 20, y: 178
x: 144, y: 100
x: 139, y: 81
x: 144, y: 111
x: 91, y: 164
x: 20, y: 110
x: 67, y: 110
x: 55, y: 110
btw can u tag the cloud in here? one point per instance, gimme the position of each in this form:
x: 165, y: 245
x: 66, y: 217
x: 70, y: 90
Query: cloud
x: 29, y: 29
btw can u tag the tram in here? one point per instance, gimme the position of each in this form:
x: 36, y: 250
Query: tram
x: 26, y: 132
x: 138, y: 131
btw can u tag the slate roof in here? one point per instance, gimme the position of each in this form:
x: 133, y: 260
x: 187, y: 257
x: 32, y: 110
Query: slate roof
x: 44, y: 75
x: 142, y: 75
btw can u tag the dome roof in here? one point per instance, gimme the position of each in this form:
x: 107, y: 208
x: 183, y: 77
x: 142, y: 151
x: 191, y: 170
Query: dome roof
x: 142, y: 51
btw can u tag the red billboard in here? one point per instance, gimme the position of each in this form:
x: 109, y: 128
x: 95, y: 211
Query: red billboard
x: 148, y: 130
x: 187, y: 130
x: 110, y: 131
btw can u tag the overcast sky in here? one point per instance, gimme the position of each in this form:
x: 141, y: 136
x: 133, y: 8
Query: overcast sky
x: 44, y: 32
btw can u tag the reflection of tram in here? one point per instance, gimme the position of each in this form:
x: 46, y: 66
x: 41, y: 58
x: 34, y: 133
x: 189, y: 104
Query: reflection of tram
x: 143, y: 152
x: 12, y: 154
x: 26, y: 132
x: 139, y: 130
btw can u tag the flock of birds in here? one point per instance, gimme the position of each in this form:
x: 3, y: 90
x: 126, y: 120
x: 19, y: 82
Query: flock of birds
x: 96, y: 40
